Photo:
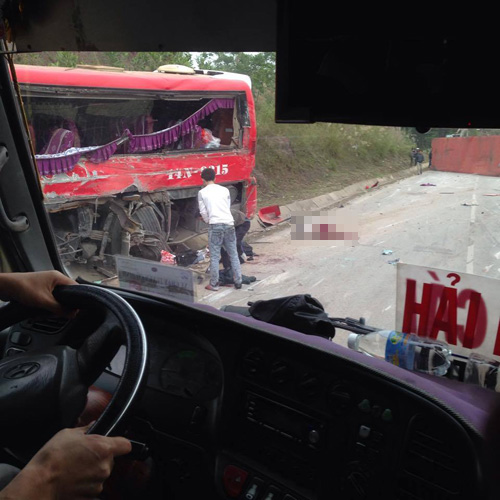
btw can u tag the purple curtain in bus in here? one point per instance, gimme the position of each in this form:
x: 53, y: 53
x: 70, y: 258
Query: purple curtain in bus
x: 64, y: 161
x: 156, y: 140
x: 57, y: 163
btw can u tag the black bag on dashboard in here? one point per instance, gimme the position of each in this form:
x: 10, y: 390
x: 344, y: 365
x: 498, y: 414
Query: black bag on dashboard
x: 302, y: 313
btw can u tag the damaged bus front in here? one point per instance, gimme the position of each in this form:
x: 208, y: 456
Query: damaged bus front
x: 120, y: 154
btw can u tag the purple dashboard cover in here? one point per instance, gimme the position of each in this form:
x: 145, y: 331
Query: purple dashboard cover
x: 474, y: 404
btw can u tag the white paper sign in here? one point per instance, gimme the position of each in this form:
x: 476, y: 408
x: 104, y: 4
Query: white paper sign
x: 156, y: 278
x: 459, y: 308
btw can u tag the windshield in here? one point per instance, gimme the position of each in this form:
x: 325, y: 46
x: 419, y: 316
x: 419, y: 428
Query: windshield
x: 349, y: 214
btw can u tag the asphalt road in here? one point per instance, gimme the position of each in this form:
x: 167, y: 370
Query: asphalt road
x: 453, y: 224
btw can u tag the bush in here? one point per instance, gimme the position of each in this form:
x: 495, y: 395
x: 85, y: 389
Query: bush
x: 333, y: 155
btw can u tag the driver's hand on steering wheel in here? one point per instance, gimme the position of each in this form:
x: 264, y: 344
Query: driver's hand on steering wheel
x: 34, y: 289
x: 72, y: 465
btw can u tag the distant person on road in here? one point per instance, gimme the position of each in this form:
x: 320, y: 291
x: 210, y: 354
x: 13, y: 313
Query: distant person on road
x: 419, y: 158
x: 214, y: 202
x: 412, y: 157
x: 430, y: 158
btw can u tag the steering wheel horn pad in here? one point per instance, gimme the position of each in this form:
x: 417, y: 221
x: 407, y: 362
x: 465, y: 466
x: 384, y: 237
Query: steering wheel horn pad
x: 40, y: 393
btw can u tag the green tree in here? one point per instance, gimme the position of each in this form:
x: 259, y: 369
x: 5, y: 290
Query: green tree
x: 66, y: 59
x: 132, y: 61
x: 424, y: 141
x: 146, y: 61
x: 259, y: 66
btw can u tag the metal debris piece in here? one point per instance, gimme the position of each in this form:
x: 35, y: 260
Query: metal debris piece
x: 270, y: 215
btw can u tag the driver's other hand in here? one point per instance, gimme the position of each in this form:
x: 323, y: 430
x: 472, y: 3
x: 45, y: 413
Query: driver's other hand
x: 35, y: 289
x: 71, y: 466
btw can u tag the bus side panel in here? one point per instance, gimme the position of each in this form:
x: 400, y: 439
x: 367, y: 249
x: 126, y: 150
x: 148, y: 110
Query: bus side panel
x: 144, y: 174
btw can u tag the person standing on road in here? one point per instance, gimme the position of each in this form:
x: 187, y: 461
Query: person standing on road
x: 419, y: 158
x: 214, y: 202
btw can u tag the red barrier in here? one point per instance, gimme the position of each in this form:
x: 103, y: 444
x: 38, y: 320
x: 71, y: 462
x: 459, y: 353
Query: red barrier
x: 469, y: 155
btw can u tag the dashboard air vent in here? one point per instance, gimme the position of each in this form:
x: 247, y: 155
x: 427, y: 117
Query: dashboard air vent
x: 429, y: 464
x: 48, y: 325
x: 253, y: 364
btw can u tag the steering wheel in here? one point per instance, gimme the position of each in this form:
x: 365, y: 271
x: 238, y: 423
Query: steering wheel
x: 44, y: 391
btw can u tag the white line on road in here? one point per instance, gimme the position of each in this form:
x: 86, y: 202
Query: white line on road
x: 318, y: 282
x: 473, y: 208
x: 255, y: 284
x: 399, y: 222
x: 470, y: 260
x: 217, y: 295
x: 470, y: 249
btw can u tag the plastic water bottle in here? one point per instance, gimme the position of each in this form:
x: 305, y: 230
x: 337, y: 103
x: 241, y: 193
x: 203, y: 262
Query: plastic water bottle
x: 405, y: 350
x: 483, y: 371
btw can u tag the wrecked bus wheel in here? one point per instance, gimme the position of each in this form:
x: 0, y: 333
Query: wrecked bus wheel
x: 148, y: 245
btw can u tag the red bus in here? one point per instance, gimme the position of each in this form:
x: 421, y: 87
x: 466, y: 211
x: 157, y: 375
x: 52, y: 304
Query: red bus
x: 120, y: 153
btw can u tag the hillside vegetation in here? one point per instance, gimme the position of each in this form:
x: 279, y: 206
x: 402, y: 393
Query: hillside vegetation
x: 299, y: 161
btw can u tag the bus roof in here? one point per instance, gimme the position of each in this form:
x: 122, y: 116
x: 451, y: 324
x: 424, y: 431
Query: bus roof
x: 143, y: 80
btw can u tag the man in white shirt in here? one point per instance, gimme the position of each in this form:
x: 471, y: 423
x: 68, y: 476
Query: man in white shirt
x: 214, y: 202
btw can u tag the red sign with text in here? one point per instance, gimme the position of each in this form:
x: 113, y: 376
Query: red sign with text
x: 458, y: 308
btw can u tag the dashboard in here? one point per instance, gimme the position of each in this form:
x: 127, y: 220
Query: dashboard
x: 235, y: 408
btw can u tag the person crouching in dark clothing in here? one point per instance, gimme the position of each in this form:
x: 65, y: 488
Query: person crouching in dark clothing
x: 241, y: 227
